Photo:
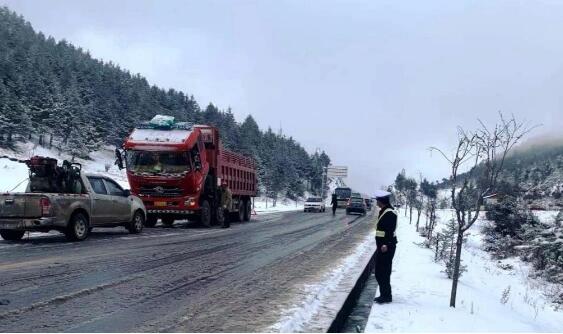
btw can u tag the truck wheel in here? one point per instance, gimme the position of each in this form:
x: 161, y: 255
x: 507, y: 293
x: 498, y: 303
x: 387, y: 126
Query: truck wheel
x: 247, y: 210
x: 218, y: 216
x: 136, y: 224
x: 205, y: 214
x: 11, y: 235
x: 168, y: 221
x: 150, y: 221
x: 240, y: 213
x: 77, y: 229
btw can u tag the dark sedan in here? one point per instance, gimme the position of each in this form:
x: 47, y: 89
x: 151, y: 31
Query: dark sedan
x: 356, y: 205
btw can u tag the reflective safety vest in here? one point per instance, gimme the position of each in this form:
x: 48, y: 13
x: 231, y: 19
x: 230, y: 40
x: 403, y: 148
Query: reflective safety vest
x: 381, y: 234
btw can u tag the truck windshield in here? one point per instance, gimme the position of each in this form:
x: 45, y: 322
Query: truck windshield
x: 157, y: 162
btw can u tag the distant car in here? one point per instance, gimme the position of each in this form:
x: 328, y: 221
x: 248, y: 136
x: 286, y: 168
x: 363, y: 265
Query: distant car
x: 356, y: 205
x: 368, y: 203
x: 314, y: 204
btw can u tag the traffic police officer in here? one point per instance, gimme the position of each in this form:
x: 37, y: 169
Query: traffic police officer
x: 386, y: 241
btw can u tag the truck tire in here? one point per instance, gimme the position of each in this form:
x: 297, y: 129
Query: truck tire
x: 136, y: 224
x: 240, y: 212
x: 247, y: 210
x: 205, y: 214
x: 78, y: 228
x: 11, y: 235
x: 219, y: 216
x: 150, y: 221
x: 168, y: 221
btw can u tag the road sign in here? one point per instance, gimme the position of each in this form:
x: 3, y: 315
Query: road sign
x: 337, y: 171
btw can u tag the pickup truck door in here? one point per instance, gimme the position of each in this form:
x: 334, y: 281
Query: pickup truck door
x: 101, y: 202
x: 121, y: 205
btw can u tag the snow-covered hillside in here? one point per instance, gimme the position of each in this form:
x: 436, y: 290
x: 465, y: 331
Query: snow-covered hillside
x: 493, y: 295
x: 99, y: 161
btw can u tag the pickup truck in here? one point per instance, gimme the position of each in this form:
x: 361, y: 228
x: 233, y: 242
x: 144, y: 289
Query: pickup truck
x: 95, y: 201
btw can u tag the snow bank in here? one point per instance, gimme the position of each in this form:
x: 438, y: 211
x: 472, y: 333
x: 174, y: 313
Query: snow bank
x: 421, y: 292
x: 316, y: 298
x: 263, y: 205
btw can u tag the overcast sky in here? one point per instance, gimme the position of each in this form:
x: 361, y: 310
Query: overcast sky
x: 373, y: 83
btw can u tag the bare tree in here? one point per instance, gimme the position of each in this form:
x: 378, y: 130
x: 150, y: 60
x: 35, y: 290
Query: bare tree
x: 484, y: 151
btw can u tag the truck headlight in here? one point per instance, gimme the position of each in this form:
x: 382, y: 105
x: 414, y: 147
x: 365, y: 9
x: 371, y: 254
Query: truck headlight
x: 190, y: 202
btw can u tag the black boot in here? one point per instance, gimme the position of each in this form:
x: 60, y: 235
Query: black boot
x: 383, y: 300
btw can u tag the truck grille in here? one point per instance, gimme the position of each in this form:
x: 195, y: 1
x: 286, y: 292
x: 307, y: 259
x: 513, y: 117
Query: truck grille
x: 160, y: 191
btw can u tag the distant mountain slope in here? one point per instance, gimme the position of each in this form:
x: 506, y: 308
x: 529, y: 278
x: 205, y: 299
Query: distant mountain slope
x: 534, y: 171
x: 57, y: 94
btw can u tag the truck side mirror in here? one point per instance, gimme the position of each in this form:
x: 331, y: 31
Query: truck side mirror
x: 126, y: 193
x: 197, y: 162
x: 119, y: 158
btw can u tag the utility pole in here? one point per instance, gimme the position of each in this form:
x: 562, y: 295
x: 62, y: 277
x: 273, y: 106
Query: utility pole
x: 323, y: 184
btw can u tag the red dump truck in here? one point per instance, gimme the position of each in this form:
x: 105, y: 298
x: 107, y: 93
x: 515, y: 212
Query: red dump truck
x: 177, y: 169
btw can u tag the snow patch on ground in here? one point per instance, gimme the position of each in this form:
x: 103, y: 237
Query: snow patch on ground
x: 13, y: 176
x: 319, y: 294
x: 546, y: 216
x: 421, y: 292
x: 264, y: 205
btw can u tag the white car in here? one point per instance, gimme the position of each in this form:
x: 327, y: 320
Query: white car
x: 314, y: 204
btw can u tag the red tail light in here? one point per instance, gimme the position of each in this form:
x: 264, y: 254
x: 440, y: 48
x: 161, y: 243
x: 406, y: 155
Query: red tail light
x: 45, y: 205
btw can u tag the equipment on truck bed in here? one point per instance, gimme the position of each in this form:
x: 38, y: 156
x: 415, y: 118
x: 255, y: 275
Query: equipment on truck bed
x: 46, y: 176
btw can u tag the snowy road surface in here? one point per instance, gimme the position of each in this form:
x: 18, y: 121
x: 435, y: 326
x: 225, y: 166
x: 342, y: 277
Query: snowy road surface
x: 184, y: 278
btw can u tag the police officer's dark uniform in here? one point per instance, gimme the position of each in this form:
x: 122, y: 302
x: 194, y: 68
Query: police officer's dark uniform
x: 386, y: 242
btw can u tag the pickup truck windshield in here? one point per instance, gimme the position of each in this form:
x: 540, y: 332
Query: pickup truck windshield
x: 157, y: 162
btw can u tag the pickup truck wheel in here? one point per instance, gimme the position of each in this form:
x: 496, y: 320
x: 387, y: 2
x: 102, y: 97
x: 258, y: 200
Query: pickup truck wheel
x: 168, y: 221
x: 77, y: 229
x: 11, y: 235
x: 137, y: 223
x: 205, y: 214
x: 247, y: 210
x: 150, y: 221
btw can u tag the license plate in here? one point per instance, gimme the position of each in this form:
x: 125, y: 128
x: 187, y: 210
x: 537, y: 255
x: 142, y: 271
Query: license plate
x: 159, y: 203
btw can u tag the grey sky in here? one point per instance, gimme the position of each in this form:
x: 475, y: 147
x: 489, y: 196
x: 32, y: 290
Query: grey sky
x: 373, y: 83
